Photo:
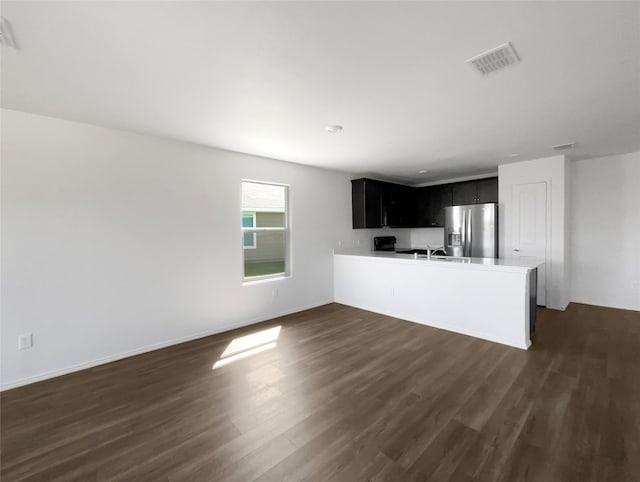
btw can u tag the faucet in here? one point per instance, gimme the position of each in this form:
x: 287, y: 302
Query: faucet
x: 428, y: 252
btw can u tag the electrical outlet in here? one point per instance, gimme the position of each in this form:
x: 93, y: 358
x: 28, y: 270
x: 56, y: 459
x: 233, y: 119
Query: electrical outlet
x: 25, y: 341
x: 358, y: 242
x: 340, y: 243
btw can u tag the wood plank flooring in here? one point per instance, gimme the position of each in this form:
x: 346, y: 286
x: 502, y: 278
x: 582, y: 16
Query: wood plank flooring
x: 345, y: 395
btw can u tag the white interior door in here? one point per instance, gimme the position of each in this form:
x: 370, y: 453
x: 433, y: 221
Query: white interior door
x: 529, y: 224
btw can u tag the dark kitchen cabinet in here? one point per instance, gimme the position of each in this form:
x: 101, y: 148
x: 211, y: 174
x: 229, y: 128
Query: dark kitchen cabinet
x: 423, y: 218
x: 366, y: 203
x: 377, y: 204
x: 440, y: 198
x: 463, y: 193
x: 487, y: 190
x: 398, y: 206
x: 475, y: 192
x: 431, y: 203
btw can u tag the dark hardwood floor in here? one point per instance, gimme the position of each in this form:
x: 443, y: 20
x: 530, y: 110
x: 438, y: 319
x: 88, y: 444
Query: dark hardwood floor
x: 345, y: 395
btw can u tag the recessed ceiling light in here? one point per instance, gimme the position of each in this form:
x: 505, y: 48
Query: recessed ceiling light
x: 333, y: 129
x: 515, y: 155
x: 423, y: 171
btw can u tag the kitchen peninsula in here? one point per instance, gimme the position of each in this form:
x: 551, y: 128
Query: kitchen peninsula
x: 492, y: 299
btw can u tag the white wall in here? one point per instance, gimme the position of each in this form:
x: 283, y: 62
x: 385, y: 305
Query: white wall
x: 553, y: 171
x: 114, y: 243
x: 605, y: 245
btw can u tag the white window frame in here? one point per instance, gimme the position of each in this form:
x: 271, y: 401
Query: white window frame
x: 253, y: 245
x: 255, y: 230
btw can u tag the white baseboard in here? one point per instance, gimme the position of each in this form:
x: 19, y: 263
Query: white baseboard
x: 148, y: 348
x: 617, y: 306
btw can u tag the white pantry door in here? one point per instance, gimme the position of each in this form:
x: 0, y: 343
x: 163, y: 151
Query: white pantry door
x: 529, y: 224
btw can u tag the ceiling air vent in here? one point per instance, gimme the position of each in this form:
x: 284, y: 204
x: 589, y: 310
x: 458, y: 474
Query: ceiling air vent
x: 562, y: 147
x: 6, y: 38
x: 494, y: 59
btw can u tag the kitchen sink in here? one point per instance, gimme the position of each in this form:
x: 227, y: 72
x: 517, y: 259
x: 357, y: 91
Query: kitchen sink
x: 423, y: 252
x: 456, y: 259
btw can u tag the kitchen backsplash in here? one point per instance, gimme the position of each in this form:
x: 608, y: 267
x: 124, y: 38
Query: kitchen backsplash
x: 405, y: 238
x: 420, y: 237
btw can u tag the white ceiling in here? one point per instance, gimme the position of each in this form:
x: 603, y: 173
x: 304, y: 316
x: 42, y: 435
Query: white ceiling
x: 265, y: 78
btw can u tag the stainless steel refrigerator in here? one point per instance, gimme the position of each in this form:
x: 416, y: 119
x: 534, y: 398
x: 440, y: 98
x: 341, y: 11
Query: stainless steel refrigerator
x: 471, y: 230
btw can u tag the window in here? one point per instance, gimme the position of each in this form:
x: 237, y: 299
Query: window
x: 265, y: 230
x: 249, y: 221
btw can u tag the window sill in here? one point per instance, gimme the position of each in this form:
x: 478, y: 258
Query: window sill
x: 264, y: 279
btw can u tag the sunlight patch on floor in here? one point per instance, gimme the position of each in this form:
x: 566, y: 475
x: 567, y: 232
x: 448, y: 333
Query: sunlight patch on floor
x: 248, y: 345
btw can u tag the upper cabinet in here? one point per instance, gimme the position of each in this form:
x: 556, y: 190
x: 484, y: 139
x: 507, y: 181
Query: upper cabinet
x: 377, y: 204
x: 431, y: 203
x: 463, y: 193
x: 475, y: 192
x: 366, y: 203
x: 398, y: 206
x: 487, y: 190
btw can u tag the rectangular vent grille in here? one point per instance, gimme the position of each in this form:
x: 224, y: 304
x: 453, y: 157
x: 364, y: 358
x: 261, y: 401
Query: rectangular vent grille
x: 494, y: 59
x: 562, y: 147
x: 6, y: 38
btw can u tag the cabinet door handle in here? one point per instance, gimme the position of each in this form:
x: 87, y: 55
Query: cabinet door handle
x: 516, y: 249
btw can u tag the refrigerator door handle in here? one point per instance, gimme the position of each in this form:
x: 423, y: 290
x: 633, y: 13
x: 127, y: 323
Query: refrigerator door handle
x: 463, y: 233
x: 469, y: 235
x: 465, y: 251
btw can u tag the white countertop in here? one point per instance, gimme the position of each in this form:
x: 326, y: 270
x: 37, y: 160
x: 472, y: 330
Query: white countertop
x: 501, y: 264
